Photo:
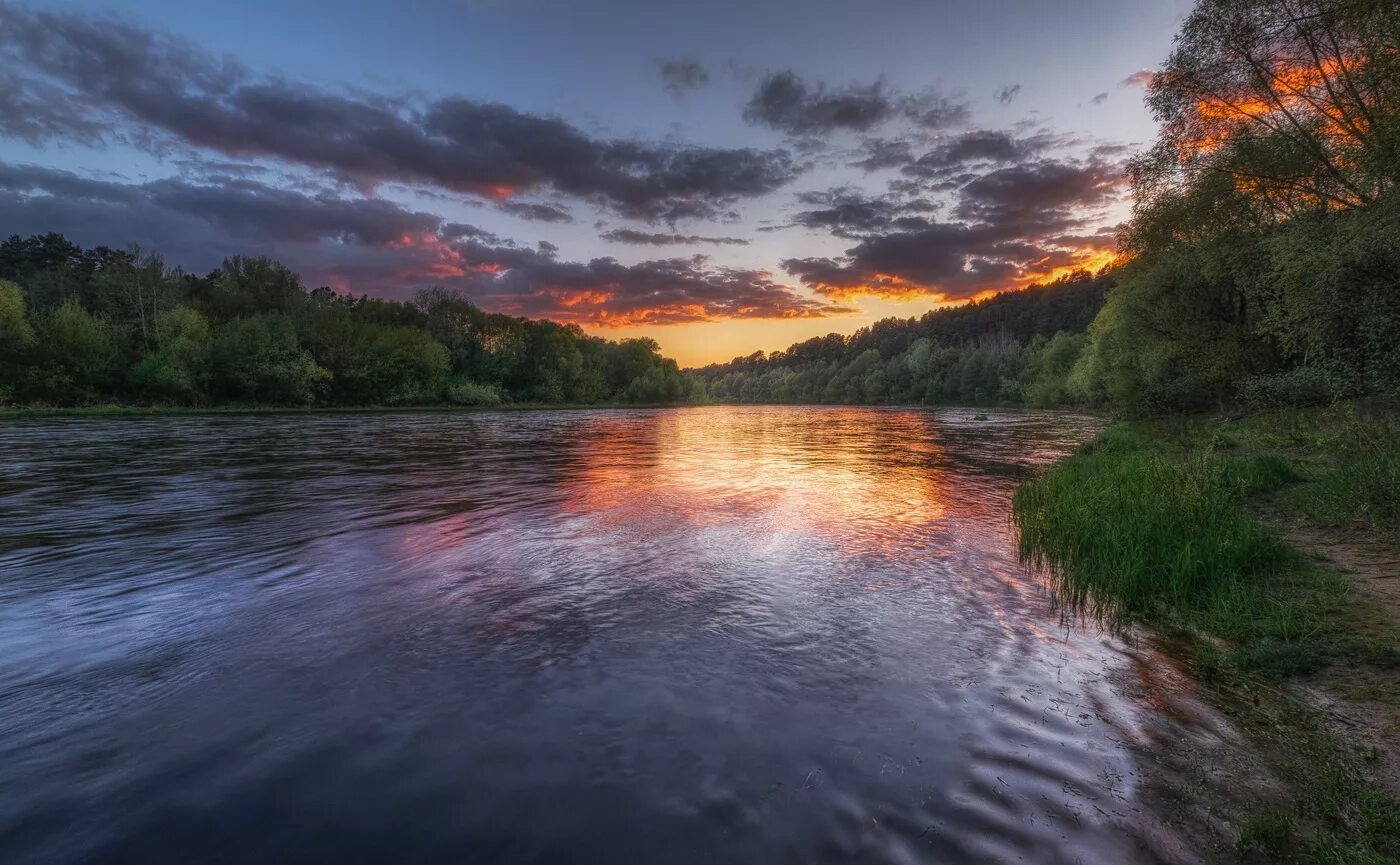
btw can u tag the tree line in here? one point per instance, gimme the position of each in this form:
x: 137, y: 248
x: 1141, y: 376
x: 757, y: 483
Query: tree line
x: 81, y: 326
x: 1011, y: 349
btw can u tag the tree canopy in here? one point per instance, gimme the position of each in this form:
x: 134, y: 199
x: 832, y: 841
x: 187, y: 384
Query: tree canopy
x: 80, y: 326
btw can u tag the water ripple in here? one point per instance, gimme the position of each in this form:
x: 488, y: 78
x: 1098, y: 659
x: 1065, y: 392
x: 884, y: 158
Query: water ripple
x: 695, y: 635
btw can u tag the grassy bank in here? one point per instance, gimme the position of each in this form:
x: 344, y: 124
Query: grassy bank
x: 1163, y: 522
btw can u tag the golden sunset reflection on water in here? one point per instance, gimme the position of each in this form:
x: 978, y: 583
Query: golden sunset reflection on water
x: 857, y: 486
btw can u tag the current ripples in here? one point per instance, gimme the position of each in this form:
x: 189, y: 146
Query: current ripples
x: 691, y: 635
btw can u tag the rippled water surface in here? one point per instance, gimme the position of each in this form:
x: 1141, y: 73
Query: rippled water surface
x: 698, y: 635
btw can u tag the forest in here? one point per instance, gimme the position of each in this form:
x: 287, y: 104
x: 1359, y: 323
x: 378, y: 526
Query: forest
x: 85, y: 326
x: 1016, y: 348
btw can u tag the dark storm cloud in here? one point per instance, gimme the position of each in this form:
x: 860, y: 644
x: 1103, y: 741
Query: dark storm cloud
x: 1007, y: 95
x: 948, y: 260
x: 849, y: 213
x: 935, y: 112
x: 536, y: 212
x: 1043, y: 194
x: 647, y: 238
x: 451, y: 231
x: 682, y: 76
x: 952, y: 260
x: 155, y: 90
x: 978, y: 147
x: 1012, y: 224
x: 604, y: 291
x: 244, y: 209
x: 878, y: 153
x: 783, y: 101
x: 377, y: 246
x: 36, y: 112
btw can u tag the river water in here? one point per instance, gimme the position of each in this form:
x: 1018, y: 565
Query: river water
x: 709, y: 635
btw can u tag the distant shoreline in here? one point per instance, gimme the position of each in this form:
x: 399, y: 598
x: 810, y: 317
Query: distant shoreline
x: 153, y: 411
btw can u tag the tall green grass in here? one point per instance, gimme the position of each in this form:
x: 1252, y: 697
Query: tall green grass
x: 1156, y: 522
x: 1135, y: 527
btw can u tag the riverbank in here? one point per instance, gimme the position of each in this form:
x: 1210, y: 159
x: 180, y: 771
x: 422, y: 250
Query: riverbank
x: 114, y: 410
x: 1266, y: 547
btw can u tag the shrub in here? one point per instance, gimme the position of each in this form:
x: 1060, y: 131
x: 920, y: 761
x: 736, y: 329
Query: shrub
x: 460, y: 391
x: 258, y: 358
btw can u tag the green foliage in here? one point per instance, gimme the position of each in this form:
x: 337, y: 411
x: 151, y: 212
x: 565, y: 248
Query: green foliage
x: 1018, y: 347
x: 132, y: 292
x: 1126, y: 529
x: 177, y: 371
x: 16, y: 334
x: 248, y: 286
x: 76, y: 357
x: 395, y: 366
x: 16, y: 338
x: 1359, y: 486
x: 469, y: 393
x: 1049, y: 367
x: 1155, y: 520
x: 1266, y: 234
x: 120, y: 326
x: 1294, y: 100
x: 1270, y: 833
x: 1341, y: 307
x: 258, y: 359
x: 1302, y: 312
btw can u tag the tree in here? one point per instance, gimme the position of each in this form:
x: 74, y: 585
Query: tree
x: 1265, y: 225
x: 395, y: 366
x: 248, y: 286
x: 257, y: 358
x: 78, y: 356
x: 16, y: 333
x: 132, y: 292
x: 78, y: 325
x: 177, y: 370
x: 17, y: 338
x: 1293, y: 100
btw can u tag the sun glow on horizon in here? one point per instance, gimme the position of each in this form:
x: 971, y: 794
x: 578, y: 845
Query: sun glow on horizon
x: 705, y: 341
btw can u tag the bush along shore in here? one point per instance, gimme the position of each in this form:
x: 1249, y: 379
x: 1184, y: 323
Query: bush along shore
x: 1200, y: 528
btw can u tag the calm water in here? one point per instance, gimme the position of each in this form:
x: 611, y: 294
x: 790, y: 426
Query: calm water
x: 712, y: 635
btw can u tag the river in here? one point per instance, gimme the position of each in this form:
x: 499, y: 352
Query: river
x: 728, y: 635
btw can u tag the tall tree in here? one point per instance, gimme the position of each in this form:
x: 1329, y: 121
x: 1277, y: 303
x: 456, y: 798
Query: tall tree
x: 1293, y: 100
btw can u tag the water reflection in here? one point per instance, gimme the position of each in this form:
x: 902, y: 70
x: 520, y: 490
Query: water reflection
x: 734, y: 635
x: 859, y: 486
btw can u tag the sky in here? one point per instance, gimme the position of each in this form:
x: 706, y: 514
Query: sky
x: 722, y: 177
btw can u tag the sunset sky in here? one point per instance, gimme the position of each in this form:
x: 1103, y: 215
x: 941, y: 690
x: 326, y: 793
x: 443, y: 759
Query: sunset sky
x: 720, y: 176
